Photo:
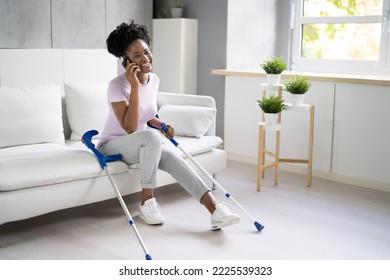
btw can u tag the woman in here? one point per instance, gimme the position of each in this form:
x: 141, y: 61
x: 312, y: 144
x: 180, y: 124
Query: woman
x: 132, y: 108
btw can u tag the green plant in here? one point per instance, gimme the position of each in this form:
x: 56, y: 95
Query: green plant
x: 176, y: 4
x: 273, y: 104
x: 162, y: 13
x: 297, y: 85
x: 274, y: 65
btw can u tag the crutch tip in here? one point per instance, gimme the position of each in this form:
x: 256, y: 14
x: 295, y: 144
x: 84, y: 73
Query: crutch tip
x: 148, y: 257
x: 259, y: 226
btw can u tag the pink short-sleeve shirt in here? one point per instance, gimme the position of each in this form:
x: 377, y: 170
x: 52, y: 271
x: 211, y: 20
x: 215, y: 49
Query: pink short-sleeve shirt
x: 119, y: 90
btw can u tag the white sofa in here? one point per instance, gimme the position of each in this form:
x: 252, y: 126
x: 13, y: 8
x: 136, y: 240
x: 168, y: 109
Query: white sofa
x: 44, y: 167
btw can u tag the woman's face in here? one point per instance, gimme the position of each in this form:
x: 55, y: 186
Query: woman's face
x: 139, y: 53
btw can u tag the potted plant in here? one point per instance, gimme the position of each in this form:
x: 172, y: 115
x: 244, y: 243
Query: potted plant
x: 271, y: 107
x: 297, y: 86
x: 176, y: 8
x: 274, y: 67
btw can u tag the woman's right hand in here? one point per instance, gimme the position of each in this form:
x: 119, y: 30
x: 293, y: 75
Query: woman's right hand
x: 131, y: 74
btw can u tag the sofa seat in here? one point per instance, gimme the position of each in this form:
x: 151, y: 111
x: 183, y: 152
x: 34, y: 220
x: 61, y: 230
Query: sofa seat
x: 45, y: 164
x: 194, y: 146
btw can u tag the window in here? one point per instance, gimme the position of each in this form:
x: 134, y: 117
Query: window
x: 341, y: 36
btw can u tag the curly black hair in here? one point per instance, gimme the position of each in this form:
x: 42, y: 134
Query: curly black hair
x: 119, y: 40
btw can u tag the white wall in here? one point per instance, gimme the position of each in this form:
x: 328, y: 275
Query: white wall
x: 252, y: 32
x: 26, y: 67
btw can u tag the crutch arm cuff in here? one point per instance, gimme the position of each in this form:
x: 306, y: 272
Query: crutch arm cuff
x: 87, y: 140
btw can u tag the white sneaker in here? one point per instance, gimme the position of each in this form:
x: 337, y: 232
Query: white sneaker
x: 223, y: 217
x: 150, y: 212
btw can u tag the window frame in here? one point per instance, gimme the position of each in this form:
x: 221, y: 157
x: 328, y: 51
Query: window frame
x: 381, y: 67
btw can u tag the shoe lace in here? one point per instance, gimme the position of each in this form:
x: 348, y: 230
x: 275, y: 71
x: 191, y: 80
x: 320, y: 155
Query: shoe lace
x: 224, y: 208
x: 155, y: 207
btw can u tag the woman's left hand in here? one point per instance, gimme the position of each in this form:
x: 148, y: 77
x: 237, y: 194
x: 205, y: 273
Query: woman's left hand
x: 170, y: 133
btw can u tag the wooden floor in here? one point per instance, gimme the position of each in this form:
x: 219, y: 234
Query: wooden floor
x: 330, y: 221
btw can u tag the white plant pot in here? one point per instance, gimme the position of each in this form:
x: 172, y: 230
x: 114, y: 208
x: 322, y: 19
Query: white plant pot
x: 268, y: 90
x: 273, y: 79
x: 271, y: 119
x: 297, y: 99
x: 177, y: 12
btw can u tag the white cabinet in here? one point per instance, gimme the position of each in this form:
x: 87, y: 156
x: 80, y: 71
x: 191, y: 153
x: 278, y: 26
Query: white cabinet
x: 175, y: 54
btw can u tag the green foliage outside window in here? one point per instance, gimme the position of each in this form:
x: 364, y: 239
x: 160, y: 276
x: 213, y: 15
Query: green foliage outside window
x: 334, y: 40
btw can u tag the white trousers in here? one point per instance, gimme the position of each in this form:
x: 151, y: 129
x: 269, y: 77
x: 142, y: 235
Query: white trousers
x: 146, y: 148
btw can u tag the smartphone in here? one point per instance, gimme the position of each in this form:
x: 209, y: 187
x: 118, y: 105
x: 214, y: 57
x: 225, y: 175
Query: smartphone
x: 125, y: 61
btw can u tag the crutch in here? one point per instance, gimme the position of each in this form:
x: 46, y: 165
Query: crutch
x: 87, y: 140
x: 258, y: 226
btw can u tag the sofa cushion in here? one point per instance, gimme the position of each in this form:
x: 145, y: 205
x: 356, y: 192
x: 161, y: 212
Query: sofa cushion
x: 192, y: 121
x: 30, y: 115
x: 195, y: 146
x: 86, y: 107
x: 44, y: 164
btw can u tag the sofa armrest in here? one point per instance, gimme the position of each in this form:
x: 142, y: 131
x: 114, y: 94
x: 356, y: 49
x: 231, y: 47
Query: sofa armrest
x: 167, y: 98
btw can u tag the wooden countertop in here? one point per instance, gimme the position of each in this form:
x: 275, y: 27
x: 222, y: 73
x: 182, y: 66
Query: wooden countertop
x: 320, y: 77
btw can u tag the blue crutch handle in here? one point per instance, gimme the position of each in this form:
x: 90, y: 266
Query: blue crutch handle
x: 87, y: 140
x: 165, y: 128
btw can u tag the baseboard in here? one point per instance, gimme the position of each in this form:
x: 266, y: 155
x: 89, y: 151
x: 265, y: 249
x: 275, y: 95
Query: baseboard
x: 370, y: 184
x: 241, y: 158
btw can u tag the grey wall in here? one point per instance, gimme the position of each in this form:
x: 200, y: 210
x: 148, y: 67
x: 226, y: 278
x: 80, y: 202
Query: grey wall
x: 212, y: 38
x: 118, y: 11
x: 68, y: 24
x: 25, y: 24
x: 78, y: 24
